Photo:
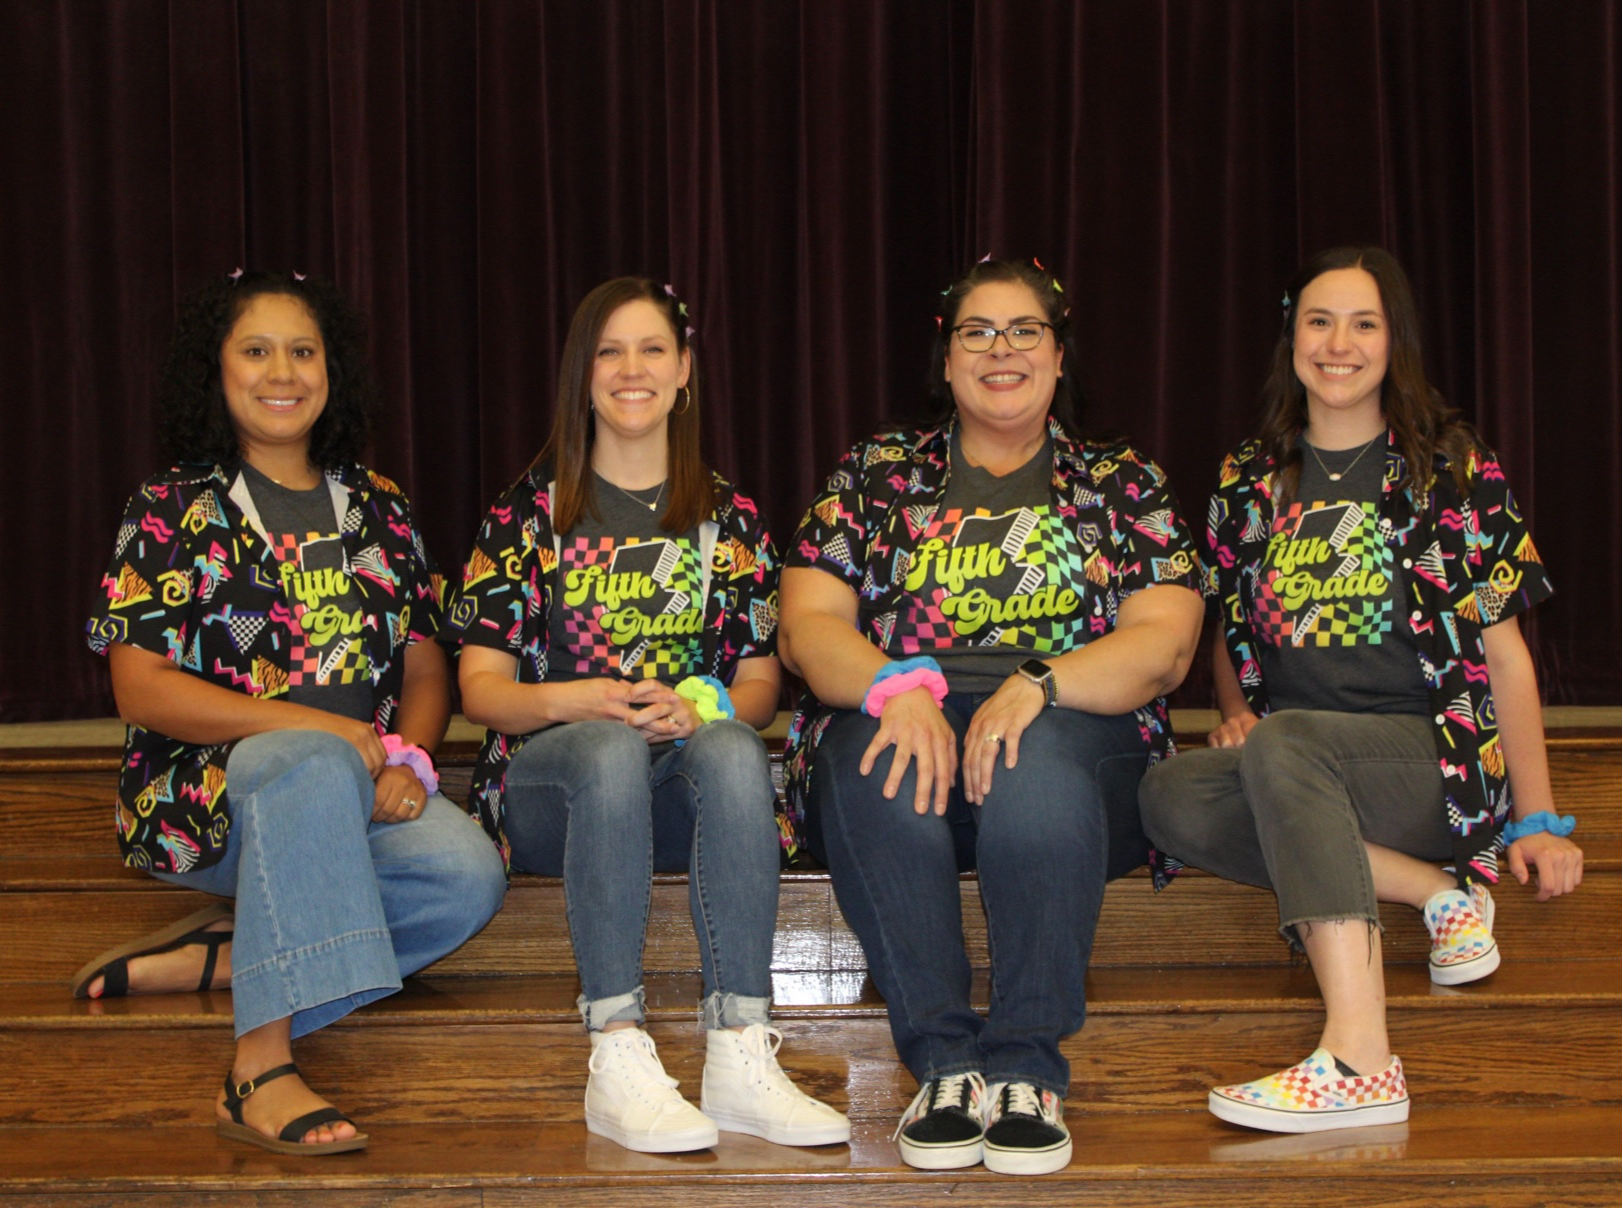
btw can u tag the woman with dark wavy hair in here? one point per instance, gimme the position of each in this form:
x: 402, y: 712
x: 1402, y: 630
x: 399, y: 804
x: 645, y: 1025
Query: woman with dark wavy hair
x: 268, y: 617
x: 1380, y: 711
x: 618, y: 620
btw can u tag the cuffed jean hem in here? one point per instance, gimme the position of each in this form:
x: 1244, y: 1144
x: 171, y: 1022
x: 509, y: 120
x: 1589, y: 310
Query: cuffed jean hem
x: 735, y: 1010
x: 299, y: 983
x: 598, y: 1013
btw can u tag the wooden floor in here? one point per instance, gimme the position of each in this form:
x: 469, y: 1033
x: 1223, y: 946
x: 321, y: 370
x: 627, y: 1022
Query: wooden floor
x: 470, y: 1080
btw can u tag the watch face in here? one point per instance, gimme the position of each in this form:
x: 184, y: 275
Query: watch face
x: 1032, y: 669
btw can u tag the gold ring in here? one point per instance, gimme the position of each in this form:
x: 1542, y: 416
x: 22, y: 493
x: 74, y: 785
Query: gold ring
x: 994, y: 738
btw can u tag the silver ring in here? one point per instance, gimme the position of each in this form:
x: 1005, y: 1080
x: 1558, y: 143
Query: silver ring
x: 409, y: 802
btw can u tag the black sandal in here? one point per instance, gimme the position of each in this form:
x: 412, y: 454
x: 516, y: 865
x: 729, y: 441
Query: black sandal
x: 287, y: 1141
x: 113, y: 966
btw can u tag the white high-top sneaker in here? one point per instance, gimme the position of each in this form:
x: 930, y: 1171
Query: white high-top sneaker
x: 745, y: 1091
x: 631, y: 1100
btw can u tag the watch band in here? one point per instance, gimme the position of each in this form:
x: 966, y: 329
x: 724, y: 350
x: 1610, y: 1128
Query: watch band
x: 1042, y: 675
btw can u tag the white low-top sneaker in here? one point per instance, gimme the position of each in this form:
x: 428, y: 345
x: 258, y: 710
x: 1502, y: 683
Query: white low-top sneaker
x: 744, y: 1090
x: 631, y: 1100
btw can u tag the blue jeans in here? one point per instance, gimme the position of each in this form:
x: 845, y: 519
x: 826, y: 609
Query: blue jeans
x: 1051, y: 831
x: 595, y: 804
x: 332, y: 908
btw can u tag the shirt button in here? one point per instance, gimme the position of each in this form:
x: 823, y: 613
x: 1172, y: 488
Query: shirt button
x: 1439, y: 719
x: 1407, y: 563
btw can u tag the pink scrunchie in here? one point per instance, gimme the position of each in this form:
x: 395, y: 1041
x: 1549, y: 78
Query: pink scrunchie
x: 399, y: 751
x: 873, y: 704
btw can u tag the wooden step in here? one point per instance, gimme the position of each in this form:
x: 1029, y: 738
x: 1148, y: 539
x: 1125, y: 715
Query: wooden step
x: 57, y: 914
x: 513, y: 1048
x: 62, y: 800
x: 1450, y: 1156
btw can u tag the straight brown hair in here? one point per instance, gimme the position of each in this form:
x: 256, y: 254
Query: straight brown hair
x: 568, y: 451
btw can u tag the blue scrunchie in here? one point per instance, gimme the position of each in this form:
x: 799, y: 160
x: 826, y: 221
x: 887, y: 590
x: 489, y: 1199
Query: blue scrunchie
x: 922, y: 662
x: 1534, y: 823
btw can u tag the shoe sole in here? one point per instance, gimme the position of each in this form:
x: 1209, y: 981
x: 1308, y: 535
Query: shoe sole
x: 675, y: 1142
x: 1274, y: 1119
x: 1461, y: 972
x: 829, y: 1134
x: 957, y: 1156
x: 1028, y: 1161
x: 232, y: 1131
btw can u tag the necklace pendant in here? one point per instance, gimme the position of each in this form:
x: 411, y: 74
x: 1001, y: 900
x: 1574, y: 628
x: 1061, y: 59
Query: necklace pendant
x: 1335, y: 478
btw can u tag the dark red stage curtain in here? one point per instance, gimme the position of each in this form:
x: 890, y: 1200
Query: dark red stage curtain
x: 809, y: 175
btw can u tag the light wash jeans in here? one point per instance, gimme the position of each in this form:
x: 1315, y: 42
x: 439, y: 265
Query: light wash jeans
x: 332, y: 908
x: 595, y: 804
x: 1052, y: 830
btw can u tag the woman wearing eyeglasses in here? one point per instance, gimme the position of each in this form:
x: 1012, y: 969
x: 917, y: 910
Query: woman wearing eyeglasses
x: 987, y: 611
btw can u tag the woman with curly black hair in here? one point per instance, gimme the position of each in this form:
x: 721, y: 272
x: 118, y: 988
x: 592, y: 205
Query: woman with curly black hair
x: 267, y: 617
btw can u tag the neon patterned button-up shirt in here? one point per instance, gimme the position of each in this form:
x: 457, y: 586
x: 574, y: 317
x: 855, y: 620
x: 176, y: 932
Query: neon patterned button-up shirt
x: 881, y: 500
x: 507, y: 595
x: 193, y: 578
x: 1464, y: 564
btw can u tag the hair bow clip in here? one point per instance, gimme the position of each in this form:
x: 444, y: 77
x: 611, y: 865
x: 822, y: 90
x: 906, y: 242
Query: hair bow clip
x: 298, y: 276
x: 1039, y: 264
x: 235, y: 274
x: 938, y: 322
x: 670, y: 290
x: 1285, y: 300
x: 682, y: 309
x: 689, y: 332
x: 984, y: 258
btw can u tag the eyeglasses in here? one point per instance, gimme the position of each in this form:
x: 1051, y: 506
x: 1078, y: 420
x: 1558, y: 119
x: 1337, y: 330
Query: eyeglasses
x: 1022, y: 337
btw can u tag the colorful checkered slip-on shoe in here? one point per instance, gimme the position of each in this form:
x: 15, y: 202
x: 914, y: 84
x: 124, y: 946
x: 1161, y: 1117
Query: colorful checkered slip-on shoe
x: 1315, y: 1095
x: 1462, y: 943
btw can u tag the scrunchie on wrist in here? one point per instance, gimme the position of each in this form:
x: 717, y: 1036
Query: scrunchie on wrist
x: 709, y: 697
x: 1544, y: 820
x: 398, y: 751
x: 903, y: 676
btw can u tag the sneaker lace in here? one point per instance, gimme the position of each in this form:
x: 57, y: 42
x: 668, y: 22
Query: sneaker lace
x: 636, y: 1063
x: 1021, y: 1099
x: 761, y: 1043
x: 955, y: 1090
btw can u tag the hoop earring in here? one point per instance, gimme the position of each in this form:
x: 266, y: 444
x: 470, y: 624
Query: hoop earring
x: 687, y: 397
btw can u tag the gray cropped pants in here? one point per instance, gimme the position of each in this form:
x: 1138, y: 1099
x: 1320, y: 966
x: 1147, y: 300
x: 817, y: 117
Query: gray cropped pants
x: 1292, y: 808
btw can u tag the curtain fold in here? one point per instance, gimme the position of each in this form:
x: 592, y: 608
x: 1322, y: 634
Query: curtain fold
x: 809, y: 174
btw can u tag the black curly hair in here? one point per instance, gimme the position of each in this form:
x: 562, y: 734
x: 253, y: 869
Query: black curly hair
x: 193, y: 421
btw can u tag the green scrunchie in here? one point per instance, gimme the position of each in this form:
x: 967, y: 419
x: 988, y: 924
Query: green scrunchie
x: 709, y: 697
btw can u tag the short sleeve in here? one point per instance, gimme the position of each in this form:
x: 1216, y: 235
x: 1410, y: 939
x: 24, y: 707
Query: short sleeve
x: 750, y: 629
x: 146, y: 594
x: 833, y: 535
x: 1507, y: 576
x: 1155, y: 545
x: 501, y: 581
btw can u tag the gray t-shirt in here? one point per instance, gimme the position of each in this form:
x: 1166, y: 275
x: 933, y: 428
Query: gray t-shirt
x: 328, y: 666
x: 1334, y: 632
x: 629, y: 599
x: 985, y: 511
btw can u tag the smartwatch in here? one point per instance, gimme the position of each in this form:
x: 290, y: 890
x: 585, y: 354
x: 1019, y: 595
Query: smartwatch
x: 1041, y: 674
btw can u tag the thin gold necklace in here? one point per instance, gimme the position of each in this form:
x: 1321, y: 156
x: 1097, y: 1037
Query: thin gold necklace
x: 1347, y: 469
x: 635, y: 499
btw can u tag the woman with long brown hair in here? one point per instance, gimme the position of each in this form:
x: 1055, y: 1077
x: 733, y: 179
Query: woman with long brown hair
x: 618, y: 621
x: 1380, y: 713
